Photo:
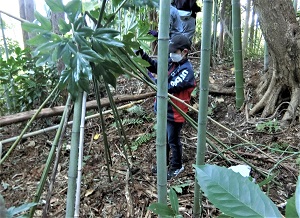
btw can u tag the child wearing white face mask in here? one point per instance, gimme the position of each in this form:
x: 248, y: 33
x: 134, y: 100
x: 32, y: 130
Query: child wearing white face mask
x: 181, y: 82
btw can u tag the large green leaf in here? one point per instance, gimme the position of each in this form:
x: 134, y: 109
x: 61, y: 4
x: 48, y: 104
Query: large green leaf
x: 234, y: 194
x: 89, y: 54
x: 65, y: 76
x: 106, y: 32
x: 290, y: 209
x: 161, y: 209
x: 106, y: 36
x: 64, y: 27
x: 55, y: 5
x: 113, y: 66
x: 43, y: 59
x: 85, y: 31
x: 101, y: 70
x: 297, y: 194
x: 46, y: 47
x: 80, y: 40
x: 12, y: 211
x: 73, y: 9
x: 45, y: 22
x: 39, y: 39
x: 109, y: 42
x: 33, y: 27
x: 174, y: 201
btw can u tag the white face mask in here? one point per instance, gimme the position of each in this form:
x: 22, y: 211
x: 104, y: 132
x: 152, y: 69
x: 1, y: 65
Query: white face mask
x: 175, y: 57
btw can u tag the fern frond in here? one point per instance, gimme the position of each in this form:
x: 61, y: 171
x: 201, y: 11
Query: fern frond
x: 142, y: 139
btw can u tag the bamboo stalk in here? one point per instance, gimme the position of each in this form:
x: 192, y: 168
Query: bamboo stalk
x: 56, y: 162
x: 106, y: 146
x: 49, y: 160
x: 80, y: 156
x: 72, y: 172
x: 203, y: 98
x: 27, y: 126
x: 162, y: 100
x: 238, y: 54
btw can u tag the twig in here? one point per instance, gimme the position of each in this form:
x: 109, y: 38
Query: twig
x: 12, y: 16
x: 272, y: 161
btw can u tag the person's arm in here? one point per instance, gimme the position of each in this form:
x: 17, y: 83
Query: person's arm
x: 153, y: 63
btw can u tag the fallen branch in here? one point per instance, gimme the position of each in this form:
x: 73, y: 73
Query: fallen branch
x: 55, y: 111
x: 56, y: 126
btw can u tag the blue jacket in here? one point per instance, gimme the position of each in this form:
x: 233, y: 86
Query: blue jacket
x: 181, y: 83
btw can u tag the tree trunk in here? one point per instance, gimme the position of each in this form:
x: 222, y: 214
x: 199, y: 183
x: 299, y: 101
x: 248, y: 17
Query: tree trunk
x: 282, y: 34
x: 246, y: 29
x: 251, y: 36
x: 55, y: 17
x: 27, y: 8
x: 222, y: 26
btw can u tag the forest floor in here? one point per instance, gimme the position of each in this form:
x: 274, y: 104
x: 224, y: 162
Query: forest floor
x: 270, y: 151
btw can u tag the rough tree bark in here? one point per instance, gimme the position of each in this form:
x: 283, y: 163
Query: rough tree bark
x: 282, y: 34
x: 27, y: 8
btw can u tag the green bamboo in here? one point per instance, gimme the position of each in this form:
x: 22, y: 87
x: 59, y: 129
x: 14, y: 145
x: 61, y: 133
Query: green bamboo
x: 80, y: 155
x: 215, y: 30
x: 50, y: 158
x: 72, y: 172
x: 238, y: 56
x: 57, y: 156
x: 246, y: 29
x: 119, y: 125
x: 203, y: 98
x: 27, y: 126
x: 162, y: 99
x: 106, y: 145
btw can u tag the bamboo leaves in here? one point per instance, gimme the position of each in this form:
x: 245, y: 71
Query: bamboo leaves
x: 84, y: 51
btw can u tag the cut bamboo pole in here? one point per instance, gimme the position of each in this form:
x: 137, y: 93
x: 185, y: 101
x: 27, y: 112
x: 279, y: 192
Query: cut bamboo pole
x: 69, y: 123
x: 80, y: 156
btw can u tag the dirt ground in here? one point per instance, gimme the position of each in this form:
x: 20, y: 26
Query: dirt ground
x: 271, y: 151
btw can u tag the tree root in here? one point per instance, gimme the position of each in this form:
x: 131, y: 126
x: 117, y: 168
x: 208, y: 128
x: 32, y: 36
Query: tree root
x: 291, y: 111
x: 269, y: 99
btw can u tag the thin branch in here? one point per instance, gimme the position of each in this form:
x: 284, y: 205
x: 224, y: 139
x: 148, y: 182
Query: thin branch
x: 16, y: 18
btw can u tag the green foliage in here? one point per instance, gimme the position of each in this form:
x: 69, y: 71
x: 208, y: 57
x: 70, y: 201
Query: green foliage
x: 142, y: 140
x: 13, y: 211
x: 11, y: 45
x: 27, y: 84
x: 291, y: 210
x: 270, y: 126
x: 87, y: 49
x: 237, y: 196
x: 166, y: 211
x: 178, y: 188
x: 280, y: 147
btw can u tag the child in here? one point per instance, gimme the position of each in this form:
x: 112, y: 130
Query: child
x: 181, y: 82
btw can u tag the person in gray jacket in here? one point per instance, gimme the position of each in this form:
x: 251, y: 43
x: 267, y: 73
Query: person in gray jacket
x: 175, y: 27
x: 187, y: 10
